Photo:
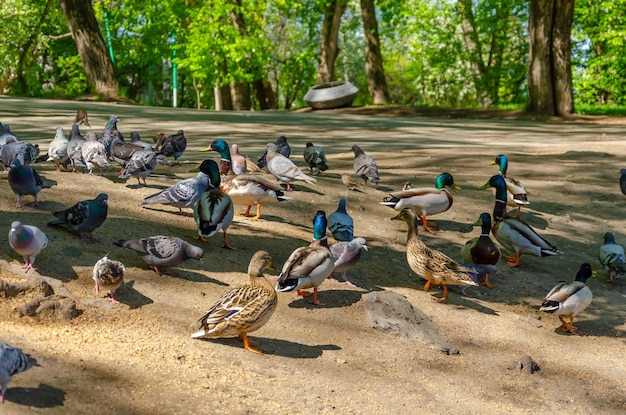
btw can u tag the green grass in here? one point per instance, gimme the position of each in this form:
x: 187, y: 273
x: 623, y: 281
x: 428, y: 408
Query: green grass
x: 597, y: 109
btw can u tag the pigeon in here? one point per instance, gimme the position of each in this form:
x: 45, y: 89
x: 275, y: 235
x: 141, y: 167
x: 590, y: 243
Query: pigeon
x: 315, y: 158
x: 140, y: 165
x: 74, y: 148
x: 94, y: 153
x: 622, y: 181
x: 281, y: 146
x: 5, y: 133
x: 238, y: 162
x: 24, y: 180
x: 365, y: 166
x: 82, y: 117
x: 108, y: 274
x: 136, y: 140
x: 611, y: 256
x: 57, y: 149
x: 122, y: 151
x: 284, y: 169
x: 22, y: 150
x: 172, y: 145
x: 162, y: 251
x: 27, y: 241
x: 107, y: 133
x: 12, y: 362
x: 479, y: 273
x: 350, y: 183
x: 346, y: 255
x: 340, y: 223
x: 186, y: 192
x: 84, y: 217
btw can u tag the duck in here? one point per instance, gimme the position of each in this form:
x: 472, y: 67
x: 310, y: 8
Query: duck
x: 214, y: 210
x: 481, y: 250
x: 308, y: 266
x: 512, y: 233
x: 424, y: 201
x: 245, y: 189
x: 243, y: 309
x: 611, y: 257
x: 516, y: 194
x: 341, y: 224
x: 570, y: 299
x: 433, y: 265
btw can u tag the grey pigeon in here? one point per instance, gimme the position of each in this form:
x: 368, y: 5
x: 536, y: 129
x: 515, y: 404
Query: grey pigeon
x: 5, y: 133
x: 84, y: 217
x: 27, y: 241
x: 135, y: 139
x: 478, y: 273
x: 346, y: 255
x: 22, y: 150
x: 284, y: 169
x: 57, y: 149
x: 107, y: 133
x: 108, y: 274
x: 611, y: 256
x: 162, y: 251
x: 74, y: 147
x: 365, y: 166
x: 315, y: 158
x: 24, y: 180
x: 94, y: 153
x: 82, y: 117
x: 121, y: 151
x: 172, y: 145
x: 12, y: 362
x: 341, y: 224
x: 140, y: 165
x: 185, y: 193
x: 281, y: 146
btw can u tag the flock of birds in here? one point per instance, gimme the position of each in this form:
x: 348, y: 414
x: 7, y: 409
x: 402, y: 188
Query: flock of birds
x: 217, y: 187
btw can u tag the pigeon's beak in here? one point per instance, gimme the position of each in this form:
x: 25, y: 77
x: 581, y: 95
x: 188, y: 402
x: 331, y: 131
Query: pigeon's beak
x: 365, y: 247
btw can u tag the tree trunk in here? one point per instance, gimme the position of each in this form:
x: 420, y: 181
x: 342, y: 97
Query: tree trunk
x: 330, y: 34
x: 240, y: 93
x: 376, y: 82
x: 549, y: 69
x: 92, y: 49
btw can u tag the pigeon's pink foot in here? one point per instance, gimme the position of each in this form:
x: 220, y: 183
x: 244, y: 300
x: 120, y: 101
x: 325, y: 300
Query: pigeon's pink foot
x: 28, y: 267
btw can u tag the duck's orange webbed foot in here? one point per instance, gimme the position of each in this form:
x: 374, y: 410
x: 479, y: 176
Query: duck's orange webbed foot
x: 512, y: 261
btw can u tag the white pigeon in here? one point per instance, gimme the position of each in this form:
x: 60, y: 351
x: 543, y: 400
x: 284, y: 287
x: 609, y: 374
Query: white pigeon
x: 28, y: 241
x: 108, y: 274
x: 57, y: 149
x: 12, y: 362
x: 94, y: 153
x: 284, y: 169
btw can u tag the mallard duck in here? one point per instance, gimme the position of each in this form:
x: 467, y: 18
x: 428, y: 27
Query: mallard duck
x: 514, y: 234
x: 340, y: 223
x: 611, y: 256
x: 516, y: 191
x: 214, y: 210
x: 424, y: 201
x: 569, y: 299
x: 481, y: 250
x: 430, y: 264
x: 243, y: 309
x: 245, y: 189
x: 284, y: 169
x: 308, y: 266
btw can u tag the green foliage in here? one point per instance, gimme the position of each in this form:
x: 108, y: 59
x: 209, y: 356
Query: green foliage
x: 70, y: 79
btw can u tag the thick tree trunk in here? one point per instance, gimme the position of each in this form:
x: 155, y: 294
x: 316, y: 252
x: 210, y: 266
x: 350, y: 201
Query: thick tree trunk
x: 330, y: 35
x: 91, y: 46
x: 240, y: 94
x: 549, y: 69
x: 376, y: 82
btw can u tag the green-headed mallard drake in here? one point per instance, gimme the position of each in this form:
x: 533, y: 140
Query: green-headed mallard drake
x: 424, y: 201
x: 514, y: 234
x: 308, y: 266
x: 243, y: 309
x: 245, y: 189
x: 430, y: 264
x: 481, y: 250
x: 611, y: 256
x: 214, y: 210
x: 569, y: 299
x: 516, y: 194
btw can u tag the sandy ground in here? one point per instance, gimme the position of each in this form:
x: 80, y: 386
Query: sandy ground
x: 138, y: 358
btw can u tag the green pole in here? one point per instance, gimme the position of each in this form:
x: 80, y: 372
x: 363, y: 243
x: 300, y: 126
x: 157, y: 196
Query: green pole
x: 174, y: 72
x: 106, y: 25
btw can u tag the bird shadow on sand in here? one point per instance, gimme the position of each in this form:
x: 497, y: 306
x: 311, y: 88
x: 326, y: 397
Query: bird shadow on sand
x: 279, y: 347
x: 332, y: 299
x: 127, y: 294
x: 184, y: 213
x: 44, y: 396
x: 303, y: 189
